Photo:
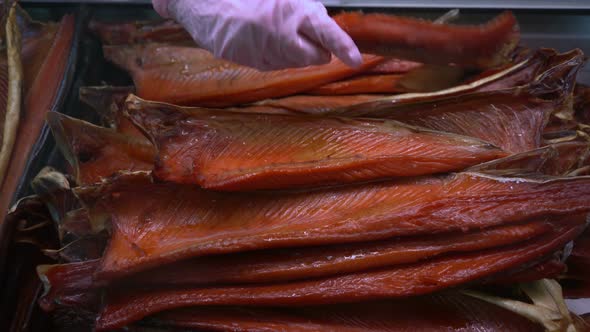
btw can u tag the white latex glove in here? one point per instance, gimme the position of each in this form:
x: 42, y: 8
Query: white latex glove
x: 264, y: 34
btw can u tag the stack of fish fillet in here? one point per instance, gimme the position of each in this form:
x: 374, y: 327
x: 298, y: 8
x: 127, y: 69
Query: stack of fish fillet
x: 222, y: 198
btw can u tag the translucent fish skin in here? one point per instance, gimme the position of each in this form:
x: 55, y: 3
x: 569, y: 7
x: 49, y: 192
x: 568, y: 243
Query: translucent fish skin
x: 512, y: 120
x: 556, y: 159
x: 193, y: 77
x: 394, y: 66
x: 553, y: 72
x: 40, y: 98
x: 125, y: 307
x: 237, y: 152
x: 96, y: 152
x: 418, y: 40
x: 157, y: 223
x: 76, y: 292
x: 538, y: 63
x: 447, y: 312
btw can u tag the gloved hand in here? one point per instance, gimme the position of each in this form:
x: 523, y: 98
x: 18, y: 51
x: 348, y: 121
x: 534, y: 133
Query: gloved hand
x: 264, y: 34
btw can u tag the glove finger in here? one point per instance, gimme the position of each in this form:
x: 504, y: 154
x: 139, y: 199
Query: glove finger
x: 322, y: 29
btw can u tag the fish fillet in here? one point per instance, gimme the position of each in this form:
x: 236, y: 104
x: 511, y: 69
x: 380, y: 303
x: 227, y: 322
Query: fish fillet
x: 40, y: 98
x: 486, y: 45
x: 446, y: 312
x: 63, y: 282
x: 422, y: 79
x: 192, y: 76
x: 406, y: 38
x: 126, y: 307
x: 556, y: 159
x: 157, y: 223
x: 551, y: 75
x: 232, y: 151
x: 315, y: 104
x: 96, y: 152
x: 511, y: 119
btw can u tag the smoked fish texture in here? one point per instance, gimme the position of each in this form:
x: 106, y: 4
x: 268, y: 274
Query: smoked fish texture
x: 487, y: 45
x: 193, y: 77
x: 406, y: 280
x: 96, y: 152
x: 236, y: 151
x: 157, y: 223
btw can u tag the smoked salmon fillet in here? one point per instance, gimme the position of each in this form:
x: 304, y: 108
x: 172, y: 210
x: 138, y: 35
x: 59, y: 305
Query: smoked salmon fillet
x: 406, y: 38
x: 158, y: 223
x: 422, y: 79
x: 486, y: 45
x: 96, y: 152
x: 558, y: 159
x: 124, y: 307
x: 63, y: 282
x: 445, y: 312
x: 39, y: 99
x: 193, y: 77
x: 512, y: 119
x: 552, y: 71
x: 236, y: 151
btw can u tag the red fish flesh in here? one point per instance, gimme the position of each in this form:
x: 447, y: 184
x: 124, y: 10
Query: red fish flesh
x: 192, y: 76
x: 412, y: 39
x: 96, y: 152
x: 157, y: 223
x: 231, y: 151
x: 125, y: 307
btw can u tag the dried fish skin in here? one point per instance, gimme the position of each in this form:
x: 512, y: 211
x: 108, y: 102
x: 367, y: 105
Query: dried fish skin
x: 12, y: 110
x: 511, y: 119
x: 205, y: 222
x: 194, y: 77
x: 558, y: 159
x: 482, y: 46
x: 315, y: 104
x: 76, y: 291
x: 125, y: 307
x: 287, y: 264
x: 96, y: 152
x: 236, y: 151
x: 40, y: 98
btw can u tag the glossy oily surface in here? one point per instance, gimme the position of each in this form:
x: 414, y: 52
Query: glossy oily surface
x: 236, y: 151
x: 96, y: 152
x: 157, y: 223
x: 413, y: 39
x: 125, y: 307
x: 193, y: 77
